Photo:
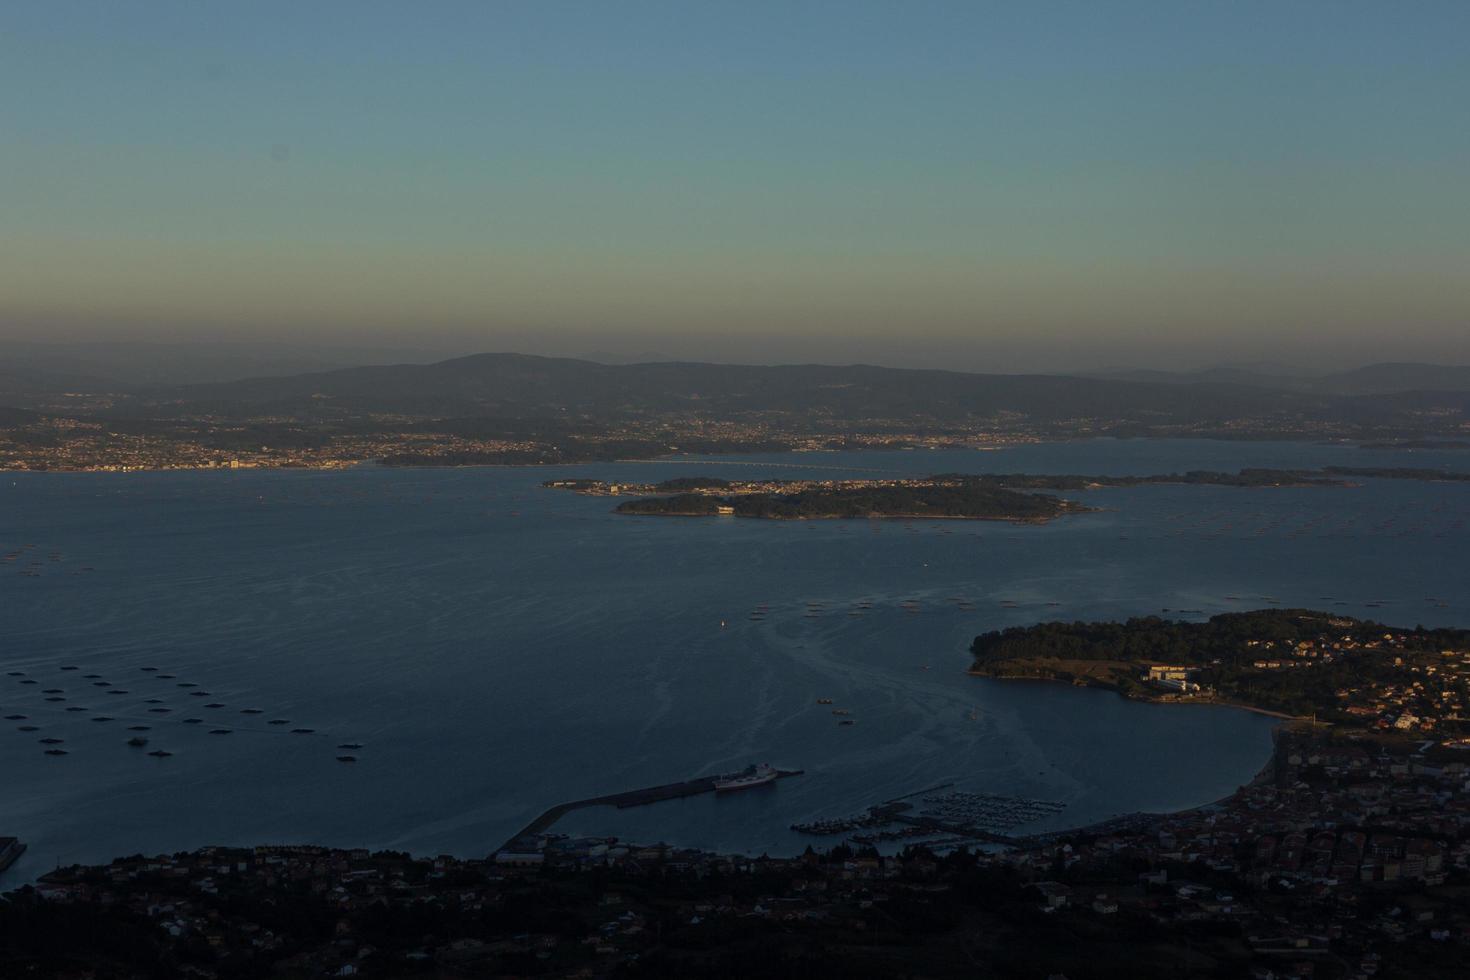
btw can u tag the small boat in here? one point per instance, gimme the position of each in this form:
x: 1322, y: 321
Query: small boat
x: 350, y: 745
x: 279, y: 721
x: 52, y: 741
x: 102, y: 718
x: 160, y: 711
x: 346, y: 758
x: 251, y: 711
x: 70, y: 667
x: 214, y: 704
x: 302, y: 731
x: 754, y: 776
x: 219, y: 731
x: 193, y: 721
x: 160, y: 754
x: 137, y: 741
x: 847, y: 721
x: 138, y: 728
x: 56, y: 751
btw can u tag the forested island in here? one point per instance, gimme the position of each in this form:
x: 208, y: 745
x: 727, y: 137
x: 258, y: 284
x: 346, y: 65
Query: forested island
x: 1327, y: 476
x: 1249, y: 477
x: 973, y: 501
x: 976, y: 496
x: 1293, y: 661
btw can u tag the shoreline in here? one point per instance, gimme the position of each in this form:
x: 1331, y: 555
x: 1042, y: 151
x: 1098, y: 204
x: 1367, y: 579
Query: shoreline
x: 1020, y: 842
x: 1299, y: 438
x: 871, y: 517
x: 1254, y: 709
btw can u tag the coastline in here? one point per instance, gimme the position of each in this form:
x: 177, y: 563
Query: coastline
x: 1254, y: 709
x: 1122, y: 823
x: 869, y: 517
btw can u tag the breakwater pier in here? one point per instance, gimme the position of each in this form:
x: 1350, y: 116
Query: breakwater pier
x: 636, y: 797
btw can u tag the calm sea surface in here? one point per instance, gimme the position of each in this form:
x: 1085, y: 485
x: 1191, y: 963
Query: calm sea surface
x: 496, y: 647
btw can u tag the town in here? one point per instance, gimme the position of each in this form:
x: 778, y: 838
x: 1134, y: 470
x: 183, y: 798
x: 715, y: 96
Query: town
x: 61, y: 443
x: 90, y: 434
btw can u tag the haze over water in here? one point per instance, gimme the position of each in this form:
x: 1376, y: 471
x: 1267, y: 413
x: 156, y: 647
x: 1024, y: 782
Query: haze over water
x: 497, y: 647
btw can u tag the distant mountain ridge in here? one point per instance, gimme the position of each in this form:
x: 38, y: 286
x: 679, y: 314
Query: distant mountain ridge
x: 127, y: 365
x: 508, y: 388
x: 1372, y: 379
x: 521, y: 384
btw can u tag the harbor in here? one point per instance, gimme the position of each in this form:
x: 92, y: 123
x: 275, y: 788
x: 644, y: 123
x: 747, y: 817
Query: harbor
x: 939, y: 814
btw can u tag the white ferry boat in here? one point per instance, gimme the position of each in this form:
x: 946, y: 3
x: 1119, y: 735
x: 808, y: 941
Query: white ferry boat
x: 754, y: 776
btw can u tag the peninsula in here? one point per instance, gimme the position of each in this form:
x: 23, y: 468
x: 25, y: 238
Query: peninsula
x: 1295, y: 662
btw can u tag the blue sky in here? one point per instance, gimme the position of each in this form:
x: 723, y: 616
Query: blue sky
x: 1007, y: 184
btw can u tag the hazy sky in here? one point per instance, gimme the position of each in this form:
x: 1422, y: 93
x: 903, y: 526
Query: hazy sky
x: 1020, y: 184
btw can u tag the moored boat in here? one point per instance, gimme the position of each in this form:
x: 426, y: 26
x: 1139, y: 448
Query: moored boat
x: 754, y: 776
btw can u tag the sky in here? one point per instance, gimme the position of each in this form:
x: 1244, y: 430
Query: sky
x: 1005, y: 186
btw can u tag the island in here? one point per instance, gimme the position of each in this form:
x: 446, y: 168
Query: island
x: 965, y: 496
x: 936, y: 499
x: 1293, y: 662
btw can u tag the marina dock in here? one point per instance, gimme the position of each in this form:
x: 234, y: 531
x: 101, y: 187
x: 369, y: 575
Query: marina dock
x: 983, y: 817
x: 637, y: 797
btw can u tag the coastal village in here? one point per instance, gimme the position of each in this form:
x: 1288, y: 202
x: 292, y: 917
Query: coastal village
x: 63, y: 443
x: 1430, y: 698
